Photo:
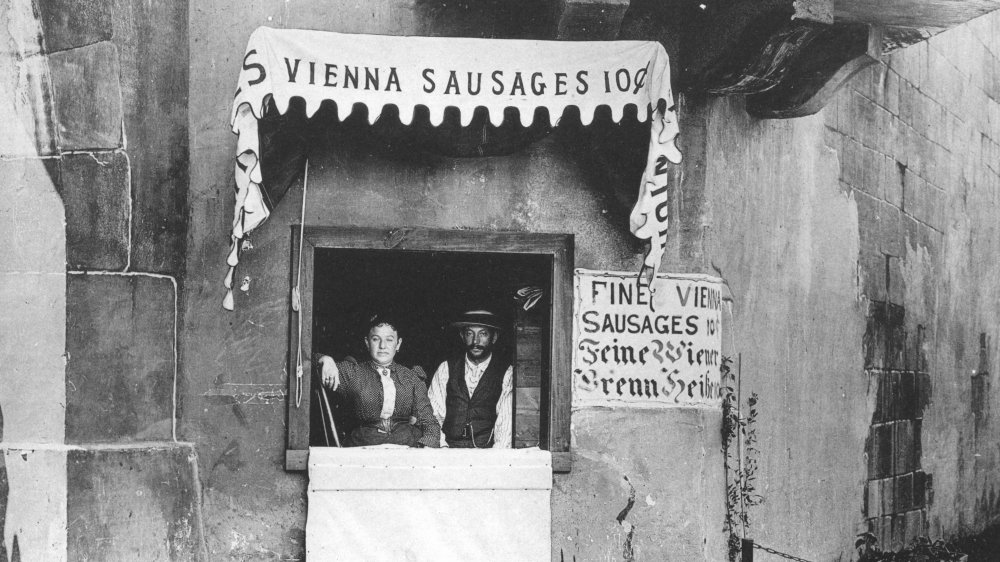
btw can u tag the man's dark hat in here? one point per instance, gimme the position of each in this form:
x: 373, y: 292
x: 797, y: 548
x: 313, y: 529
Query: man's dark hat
x: 477, y: 318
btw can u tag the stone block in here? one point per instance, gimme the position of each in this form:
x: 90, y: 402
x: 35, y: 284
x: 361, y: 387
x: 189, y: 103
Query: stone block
x: 873, y: 498
x: 898, y: 532
x: 919, y: 489
x: 880, y: 451
x: 890, y: 230
x: 873, y: 342
x: 152, y: 43
x: 881, y: 382
x: 880, y: 498
x: 924, y: 202
x: 894, y: 173
x: 87, y: 97
x: 121, y: 347
x: 904, y: 62
x: 891, y: 93
x: 882, y: 134
x: 95, y: 191
x: 888, y: 497
x: 868, y: 222
x: 919, y: 234
x: 852, y: 163
x: 896, y: 290
x: 908, y: 96
x: 865, y: 118
x: 893, y: 396
x: 903, y: 490
x: 873, y: 280
x: 885, y: 531
x: 906, y: 397
x: 902, y: 448
x: 133, y: 503
x: 69, y: 24
x: 870, y: 173
x: 895, y: 340
x: 914, y: 526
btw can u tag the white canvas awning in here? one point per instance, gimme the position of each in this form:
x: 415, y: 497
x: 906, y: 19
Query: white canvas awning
x: 437, y: 73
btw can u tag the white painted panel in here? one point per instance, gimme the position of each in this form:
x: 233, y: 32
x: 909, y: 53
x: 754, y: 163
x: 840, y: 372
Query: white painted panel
x: 36, y: 503
x: 33, y: 301
x: 401, y: 468
x: 426, y: 504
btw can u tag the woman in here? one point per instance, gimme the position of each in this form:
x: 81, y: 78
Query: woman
x: 382, y: 394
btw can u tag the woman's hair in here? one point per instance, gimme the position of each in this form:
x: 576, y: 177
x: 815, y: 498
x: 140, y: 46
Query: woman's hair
x: 381, y: 320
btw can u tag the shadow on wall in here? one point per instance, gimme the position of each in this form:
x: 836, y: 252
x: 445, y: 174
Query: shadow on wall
x: 15, y: 554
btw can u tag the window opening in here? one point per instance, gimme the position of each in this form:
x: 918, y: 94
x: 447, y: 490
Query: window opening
x: 424, y: 291
x: 425, y: 281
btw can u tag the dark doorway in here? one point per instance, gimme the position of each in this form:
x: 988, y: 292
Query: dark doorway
x: 424, y: 291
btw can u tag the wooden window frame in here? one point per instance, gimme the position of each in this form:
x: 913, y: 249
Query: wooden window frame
x: 559, y: 247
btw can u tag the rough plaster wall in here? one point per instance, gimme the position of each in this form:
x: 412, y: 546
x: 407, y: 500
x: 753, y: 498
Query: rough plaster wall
x: 236, y: 362
x: 783, y: 235
x: 918, y: 143
x: 33, y: 301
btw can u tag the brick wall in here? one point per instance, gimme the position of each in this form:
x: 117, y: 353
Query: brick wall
x: 917, y: 139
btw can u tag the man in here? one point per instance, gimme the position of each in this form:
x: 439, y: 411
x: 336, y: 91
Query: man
x: 383, y: 395
x: 471, y: 394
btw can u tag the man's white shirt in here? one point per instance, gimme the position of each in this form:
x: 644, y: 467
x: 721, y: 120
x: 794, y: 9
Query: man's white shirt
x: 438, y: 393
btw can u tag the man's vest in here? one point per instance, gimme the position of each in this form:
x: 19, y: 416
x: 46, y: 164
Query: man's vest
x: 469, y: 420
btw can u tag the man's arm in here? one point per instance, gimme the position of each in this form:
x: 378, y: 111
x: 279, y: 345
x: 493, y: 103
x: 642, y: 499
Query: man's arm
x: 501, y: 430
x: 425, y: 415
x: 437, y: 394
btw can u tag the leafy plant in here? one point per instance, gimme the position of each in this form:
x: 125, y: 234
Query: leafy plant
x: 739, y: 454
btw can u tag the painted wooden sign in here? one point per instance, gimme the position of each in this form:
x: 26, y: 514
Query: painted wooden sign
x: 636, y: 348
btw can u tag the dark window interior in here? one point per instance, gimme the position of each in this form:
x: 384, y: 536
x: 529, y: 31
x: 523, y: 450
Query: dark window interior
x: 425, y: 291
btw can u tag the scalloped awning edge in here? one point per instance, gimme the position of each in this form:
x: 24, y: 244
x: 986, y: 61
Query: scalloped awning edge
x: 437, y: 73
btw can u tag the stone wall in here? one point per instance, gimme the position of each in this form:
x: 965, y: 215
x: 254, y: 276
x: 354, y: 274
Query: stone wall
x: 97, y: 92
x: 860, y: 246
x: 917, y: 137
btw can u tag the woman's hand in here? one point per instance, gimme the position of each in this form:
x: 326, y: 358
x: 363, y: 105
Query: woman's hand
x: 328, y: 372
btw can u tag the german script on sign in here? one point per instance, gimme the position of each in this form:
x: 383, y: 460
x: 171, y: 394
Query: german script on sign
x: 642, y: 349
